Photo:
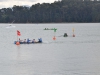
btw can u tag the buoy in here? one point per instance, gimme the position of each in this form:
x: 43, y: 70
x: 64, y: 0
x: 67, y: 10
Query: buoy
x: 54, y: 38
x: 17, y: 43
x: 73, y: 35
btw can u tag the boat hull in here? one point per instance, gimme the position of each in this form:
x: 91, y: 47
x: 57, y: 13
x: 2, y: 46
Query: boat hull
x: 27, y: 42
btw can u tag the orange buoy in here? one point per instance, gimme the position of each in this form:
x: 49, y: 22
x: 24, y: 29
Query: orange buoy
x: 17, y: 43
x: 73, y: 35
x: 54, y: 38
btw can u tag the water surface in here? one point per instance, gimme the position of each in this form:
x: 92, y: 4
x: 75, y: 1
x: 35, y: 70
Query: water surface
x: 77, y: 55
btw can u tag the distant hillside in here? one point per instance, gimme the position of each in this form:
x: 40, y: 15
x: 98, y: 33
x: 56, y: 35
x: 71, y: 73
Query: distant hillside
x: 59, y: 11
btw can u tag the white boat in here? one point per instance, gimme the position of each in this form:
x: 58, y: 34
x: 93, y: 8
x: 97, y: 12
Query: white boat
x: 11, y: 25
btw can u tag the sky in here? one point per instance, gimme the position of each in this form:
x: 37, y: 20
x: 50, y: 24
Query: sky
x: 11, y: 3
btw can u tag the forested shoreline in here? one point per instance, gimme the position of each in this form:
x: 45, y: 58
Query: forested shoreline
x: 57, y: 12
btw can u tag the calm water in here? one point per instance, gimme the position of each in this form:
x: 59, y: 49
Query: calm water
x: 78, y: 55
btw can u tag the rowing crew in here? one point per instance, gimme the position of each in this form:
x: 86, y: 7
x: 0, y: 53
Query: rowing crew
x: 30, y: 41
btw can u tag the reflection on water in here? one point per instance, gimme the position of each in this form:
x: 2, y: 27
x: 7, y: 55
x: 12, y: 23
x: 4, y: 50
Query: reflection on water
x: 64, y: 56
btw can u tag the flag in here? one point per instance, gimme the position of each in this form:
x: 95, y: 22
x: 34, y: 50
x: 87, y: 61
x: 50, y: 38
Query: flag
x: 18, y: 33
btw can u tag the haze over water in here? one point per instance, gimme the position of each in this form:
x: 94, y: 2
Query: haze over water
x: 77, y: 55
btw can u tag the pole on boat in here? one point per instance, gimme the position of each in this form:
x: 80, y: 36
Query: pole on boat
x: 18, y: 34
x: 17, y: 37
x: 73, y: 33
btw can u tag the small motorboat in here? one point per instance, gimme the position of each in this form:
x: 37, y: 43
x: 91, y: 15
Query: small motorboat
x: 11, y: 26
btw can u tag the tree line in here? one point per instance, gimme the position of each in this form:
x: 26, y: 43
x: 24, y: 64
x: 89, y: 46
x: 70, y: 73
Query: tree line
x: 57, y: 12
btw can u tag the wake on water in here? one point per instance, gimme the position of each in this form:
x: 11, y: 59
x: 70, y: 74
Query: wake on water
x: 45, y: 42
x: 10, y: 26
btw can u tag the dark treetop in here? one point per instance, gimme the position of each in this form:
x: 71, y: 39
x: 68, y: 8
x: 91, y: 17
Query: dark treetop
x: 59, y: 11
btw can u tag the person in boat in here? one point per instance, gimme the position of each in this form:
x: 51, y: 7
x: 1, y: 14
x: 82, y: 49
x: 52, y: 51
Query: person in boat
x: 33, y: 41
x: 20, y: 40
x: 65, y: 35
x: 45, y: 28
x: 24, y: 40
x: 28, y: 41
x: 40, y: 40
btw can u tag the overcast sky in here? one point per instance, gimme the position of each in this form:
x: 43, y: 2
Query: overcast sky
x: 10, y: 3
